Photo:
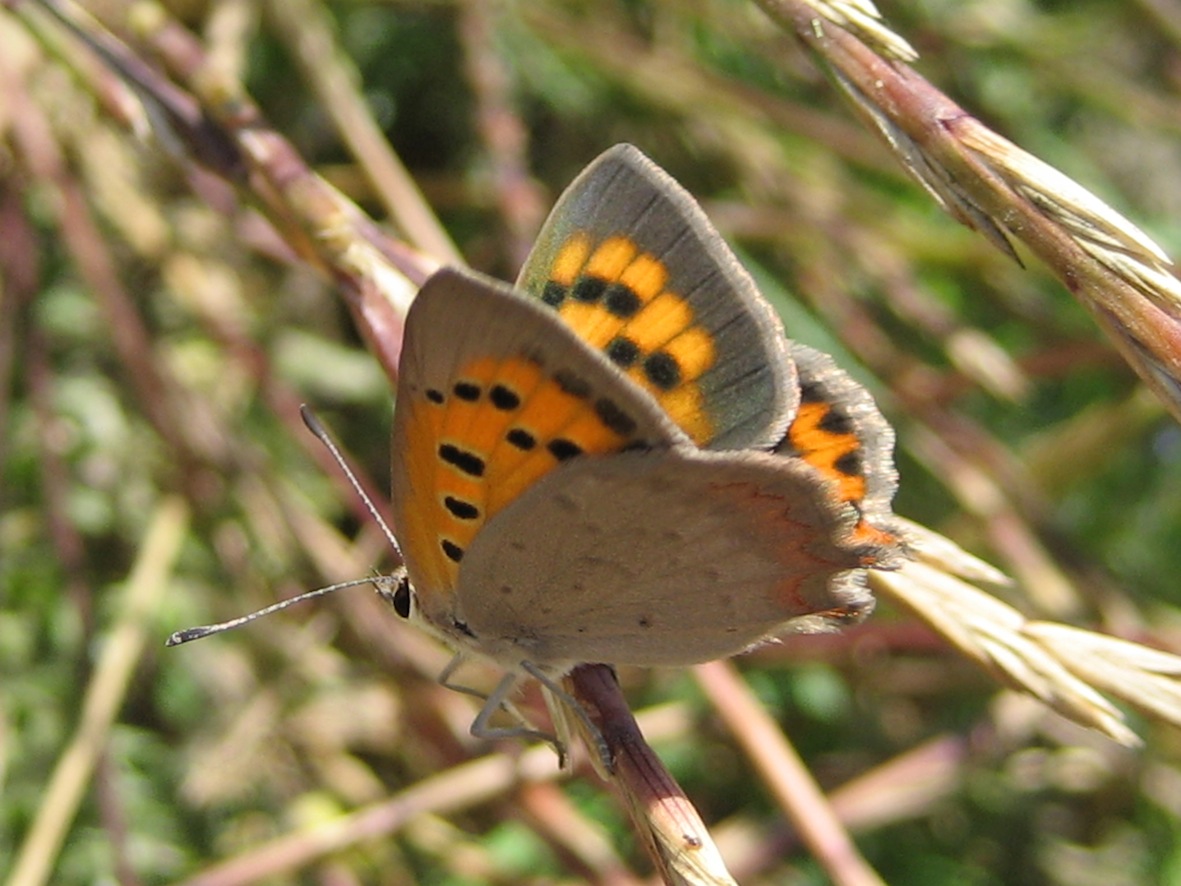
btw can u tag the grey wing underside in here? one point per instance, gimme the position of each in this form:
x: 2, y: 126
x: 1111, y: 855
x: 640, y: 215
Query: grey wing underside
x: 660, y: 558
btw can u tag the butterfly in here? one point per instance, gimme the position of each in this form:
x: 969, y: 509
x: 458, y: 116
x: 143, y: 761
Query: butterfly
x: 622, y: 459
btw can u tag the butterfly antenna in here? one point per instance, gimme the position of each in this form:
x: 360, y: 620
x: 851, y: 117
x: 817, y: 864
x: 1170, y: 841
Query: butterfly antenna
x: 206, y: 630
x: 321, y: 432
x: 387, y: 585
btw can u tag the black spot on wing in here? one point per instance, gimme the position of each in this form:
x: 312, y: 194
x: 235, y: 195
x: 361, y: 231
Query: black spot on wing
x: 563, y: 449
x: 837, y: 422
x: 467, y: 462
x: 464, y: 510
x: 553, y: 293
x: 621, y: 301
x: 810, y: 392
x: 504, y: 398
x: 622, y: 351
x: 850, y: 464
x: 614, y: 418
x: 521, y: 439
x: 574, y: 385
x: 466, y: 390
x: 588, y: 289
x: 663, y: 370
x: 453, y: 551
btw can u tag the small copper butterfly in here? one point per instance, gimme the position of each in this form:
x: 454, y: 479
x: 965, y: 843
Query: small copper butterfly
x: 622, y: 459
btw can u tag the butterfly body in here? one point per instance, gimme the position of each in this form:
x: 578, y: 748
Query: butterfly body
x: 611, y: 462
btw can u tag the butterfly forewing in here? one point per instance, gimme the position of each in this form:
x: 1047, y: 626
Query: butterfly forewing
x: 631, y: 263
x: 492, y: 396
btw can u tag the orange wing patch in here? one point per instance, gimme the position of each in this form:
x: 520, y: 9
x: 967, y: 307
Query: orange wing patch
x: 613, y: 295
x: 827, y: 439
x: 498, y: 428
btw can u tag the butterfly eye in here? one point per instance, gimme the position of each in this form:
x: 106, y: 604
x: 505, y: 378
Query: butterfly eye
x: 403, y: 598
x: 395, y: 589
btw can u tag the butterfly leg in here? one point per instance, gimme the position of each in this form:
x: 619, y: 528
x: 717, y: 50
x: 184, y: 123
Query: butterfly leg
x: 452, y: 667
x: 494, y: 702
x: 554, y: 692
x: 481, y: 727
x: 444, y: 680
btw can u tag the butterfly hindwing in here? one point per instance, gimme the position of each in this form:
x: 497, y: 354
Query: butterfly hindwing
x: 493, y: 394
x: 630, y: 262
x: 662, y: 557
x: 840, y: 432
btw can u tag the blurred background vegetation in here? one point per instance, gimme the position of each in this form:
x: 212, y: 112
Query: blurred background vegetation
x: 154, y: 334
